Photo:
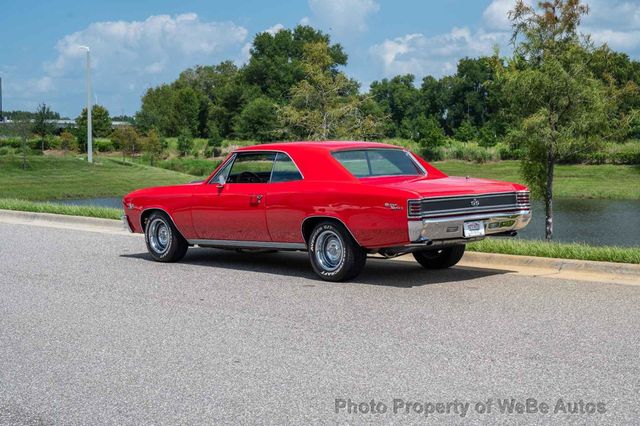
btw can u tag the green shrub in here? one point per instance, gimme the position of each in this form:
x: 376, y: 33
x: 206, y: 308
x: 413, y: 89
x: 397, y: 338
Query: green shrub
x: 5, y: 150
x: 628, y: 153
x: 433, y: 153
x: 11, y: 142
x: 103, y: 145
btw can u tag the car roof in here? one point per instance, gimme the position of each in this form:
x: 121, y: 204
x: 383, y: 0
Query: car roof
x: 316, y: 145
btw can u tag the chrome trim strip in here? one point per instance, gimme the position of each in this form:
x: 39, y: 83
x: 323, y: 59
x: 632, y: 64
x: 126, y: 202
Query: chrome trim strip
x: 507, y: 215
x: 452, y: 212
x: 249, y: 244
x: 485, y: 194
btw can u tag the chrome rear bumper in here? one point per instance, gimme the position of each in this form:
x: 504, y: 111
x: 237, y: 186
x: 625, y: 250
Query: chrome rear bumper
x: 451, y: 227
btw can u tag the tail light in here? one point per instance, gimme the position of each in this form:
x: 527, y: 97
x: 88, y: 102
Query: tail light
x: 522, y: 199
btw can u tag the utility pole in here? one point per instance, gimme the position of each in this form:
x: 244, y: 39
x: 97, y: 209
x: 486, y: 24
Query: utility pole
x: 89, y: 106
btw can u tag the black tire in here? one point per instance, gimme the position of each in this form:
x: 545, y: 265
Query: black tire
x: 334, y: 254
x: 440, y: 259
x: 164, y: 242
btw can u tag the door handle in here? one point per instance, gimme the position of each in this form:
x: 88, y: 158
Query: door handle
x: 256, y: 199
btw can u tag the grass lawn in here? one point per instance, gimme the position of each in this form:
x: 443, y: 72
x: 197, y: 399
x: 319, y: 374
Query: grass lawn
x: 557, y: 250
x: 38, y: 207
x: 571, y: 181
x: 53, y: 177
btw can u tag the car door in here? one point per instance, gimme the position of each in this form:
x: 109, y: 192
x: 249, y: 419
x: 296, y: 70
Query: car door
x: 232, y: 205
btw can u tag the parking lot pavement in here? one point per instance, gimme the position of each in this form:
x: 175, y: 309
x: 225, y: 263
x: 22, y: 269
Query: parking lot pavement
x: 92, y: 331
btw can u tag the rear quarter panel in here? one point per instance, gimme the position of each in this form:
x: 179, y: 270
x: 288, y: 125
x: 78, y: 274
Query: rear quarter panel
x: 360, y: 207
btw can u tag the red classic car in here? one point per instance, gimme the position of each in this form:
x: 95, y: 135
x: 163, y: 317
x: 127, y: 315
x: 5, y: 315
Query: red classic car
x: 337, y: 200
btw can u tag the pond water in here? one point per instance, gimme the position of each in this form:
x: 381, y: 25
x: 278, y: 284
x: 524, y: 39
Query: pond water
x: 597, y: 222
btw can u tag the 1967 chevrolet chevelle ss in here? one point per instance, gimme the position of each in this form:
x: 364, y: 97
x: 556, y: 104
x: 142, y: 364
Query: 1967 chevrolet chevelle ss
x: 337, y: 200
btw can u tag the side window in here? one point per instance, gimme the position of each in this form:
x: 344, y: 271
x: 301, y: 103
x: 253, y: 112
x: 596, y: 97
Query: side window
x: 251, y: 168
x: 284, y: 169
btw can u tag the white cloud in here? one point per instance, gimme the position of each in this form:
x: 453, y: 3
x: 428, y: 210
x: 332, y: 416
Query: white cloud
x: 146, y: 46
x: 616, y: 23
x: 422, y: 55
x: 342, y: 16
x: 129, y: 56
x: 274, y: 29
x: 496, y: 15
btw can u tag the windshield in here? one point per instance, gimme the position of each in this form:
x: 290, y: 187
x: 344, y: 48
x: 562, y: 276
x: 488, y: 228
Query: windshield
x: 378, y: 162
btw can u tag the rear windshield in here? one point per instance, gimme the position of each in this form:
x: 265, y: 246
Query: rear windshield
x: 378, y: 162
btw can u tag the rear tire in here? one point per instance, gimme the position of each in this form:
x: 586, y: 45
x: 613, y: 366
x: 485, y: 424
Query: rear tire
x: 164, y: 242
x: 440, y: 259
x: 334, y: 254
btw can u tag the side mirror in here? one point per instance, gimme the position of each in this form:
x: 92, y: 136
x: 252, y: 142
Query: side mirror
x: 221, y: 182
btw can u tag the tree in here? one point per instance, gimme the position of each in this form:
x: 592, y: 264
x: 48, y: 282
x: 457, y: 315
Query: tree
x: 466, y: 131
x: 258, y: 120
x: 154, y: 145
x: 325, y: 104
x: 561, y: 107
x: 100, y: 123
x: 42, y: 125
x: 67, y: 141
x: 185, y: 142
x: 127, y: 139
x: 275, y: 65
x: 399, y: 98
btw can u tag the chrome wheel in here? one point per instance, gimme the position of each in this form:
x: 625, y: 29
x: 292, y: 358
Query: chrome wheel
x: 159, y: 235
x: 329, y: 249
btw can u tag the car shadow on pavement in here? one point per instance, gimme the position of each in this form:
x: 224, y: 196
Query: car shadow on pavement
x: 382, y: 272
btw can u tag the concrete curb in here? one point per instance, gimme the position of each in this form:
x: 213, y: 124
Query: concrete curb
x: 568, y: 265
x: 538, y: 266
x: 61, y: 219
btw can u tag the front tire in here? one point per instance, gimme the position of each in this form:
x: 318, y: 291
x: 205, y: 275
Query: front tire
x: 164, y: 242
x: 440, y: 259
x: 334, y: 254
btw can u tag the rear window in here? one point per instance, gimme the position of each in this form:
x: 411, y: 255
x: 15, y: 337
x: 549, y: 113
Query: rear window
x: 378, y: 162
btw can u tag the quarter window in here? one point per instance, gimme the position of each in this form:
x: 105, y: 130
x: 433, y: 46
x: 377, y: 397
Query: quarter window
x: 284, y: 169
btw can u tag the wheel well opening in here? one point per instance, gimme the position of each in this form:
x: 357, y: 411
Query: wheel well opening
x: 310, y: 223
x: 145, y: 216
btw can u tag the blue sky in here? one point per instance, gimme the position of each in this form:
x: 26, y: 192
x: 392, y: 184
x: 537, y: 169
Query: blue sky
x: 138, y: 44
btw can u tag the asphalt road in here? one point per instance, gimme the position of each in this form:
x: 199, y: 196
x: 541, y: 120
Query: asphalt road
x: 93, y: 332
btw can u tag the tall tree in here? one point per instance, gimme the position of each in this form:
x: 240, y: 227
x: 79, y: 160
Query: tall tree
x: 275, y: 65
x: 100, y: 123
x: 325, y: 104
x: 42, y: 125
x: 399, y: 98
x: 562, y: 108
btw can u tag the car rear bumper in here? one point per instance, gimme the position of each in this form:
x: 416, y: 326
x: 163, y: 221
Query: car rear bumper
x: 450, y: 228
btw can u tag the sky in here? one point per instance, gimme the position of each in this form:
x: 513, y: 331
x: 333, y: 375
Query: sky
x: 140, y: 44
